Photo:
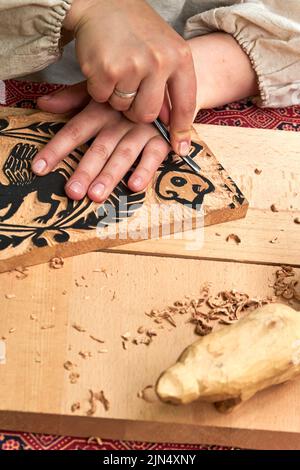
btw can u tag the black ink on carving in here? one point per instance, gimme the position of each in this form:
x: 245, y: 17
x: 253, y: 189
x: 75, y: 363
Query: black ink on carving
x: 175, y: 182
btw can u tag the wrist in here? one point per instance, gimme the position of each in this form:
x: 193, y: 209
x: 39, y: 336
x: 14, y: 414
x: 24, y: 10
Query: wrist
x: 76, y: 12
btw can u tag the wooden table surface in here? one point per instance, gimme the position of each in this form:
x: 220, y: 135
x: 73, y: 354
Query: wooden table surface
x: 108, y: 294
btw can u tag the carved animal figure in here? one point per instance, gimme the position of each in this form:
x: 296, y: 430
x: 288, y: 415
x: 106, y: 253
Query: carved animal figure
x: 176, y: 183
x: 22, y: 182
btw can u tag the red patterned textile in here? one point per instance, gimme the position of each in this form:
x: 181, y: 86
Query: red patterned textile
x: 242, y: 114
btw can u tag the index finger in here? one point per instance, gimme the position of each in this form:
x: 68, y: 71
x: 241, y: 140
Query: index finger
x: 182, y: 87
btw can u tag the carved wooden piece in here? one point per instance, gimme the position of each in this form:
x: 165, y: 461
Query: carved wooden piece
x: 38, y: 221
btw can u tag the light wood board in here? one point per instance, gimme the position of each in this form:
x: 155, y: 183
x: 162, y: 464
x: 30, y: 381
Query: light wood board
x: 36, y: 396
x: 241, y: 151
x: 38, y: 221
x: 35, y: 390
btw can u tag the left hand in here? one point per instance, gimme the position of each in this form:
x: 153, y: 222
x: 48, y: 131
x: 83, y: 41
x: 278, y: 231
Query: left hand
x: 118, y: 143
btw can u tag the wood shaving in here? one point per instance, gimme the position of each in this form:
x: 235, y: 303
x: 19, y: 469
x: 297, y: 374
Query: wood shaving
x: 38, y: 357
x: 102, y: 398
x: 142, y: 340
x: 75, y: 406
x: 257, y: 171
x: 97, y: 339
x: 124, y: 345
x: 11, y: 330
x: 206, y: 310
x: 74, y: 376
x: 68, y: 365
x: 274, y: 240
x: 33, y: 317
x: 102, y: 351
x: 148, y: 394
x: 274, y: 208
x: 102, y: 270
x: 234, y: 237
x: 10, y: 296
x: 297, y: 220
x: 22, y: 272
x: 126, y: 336
x: 94, y: 397
x: 93, y: 404
x: 64, y: 292
x: 141, y: 330
x: 47, y: 327
x: 56, y: 263
x: 97, y: 440
x: 79, y: 328
x: 286, y: 285
x: 85, y: 354
x: 113, y: 297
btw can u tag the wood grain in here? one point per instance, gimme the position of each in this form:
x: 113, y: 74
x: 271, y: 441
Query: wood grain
x: 37, y: 396
x: 277, y: 155
x: 38, y: 222
x: 109, y: 300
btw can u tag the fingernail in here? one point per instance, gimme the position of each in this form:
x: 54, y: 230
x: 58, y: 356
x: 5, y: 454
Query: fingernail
x: 39, y: 166
x: 137, y: 182
x: 76, y: 187
x: 184, y: 149
x: 98, y: 189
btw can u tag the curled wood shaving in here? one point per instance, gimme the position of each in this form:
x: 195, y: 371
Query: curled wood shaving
x: 33, y: 317
x: 37, y: 357
x: 47, y: 327
x: 85, y: 354
x: 74, y: 376
x: 126, y: 336
x: 297, y: 220
x: 206, y: 310
x: 274, y: 208
x: 93, y: 404
x: 286, y: 285
x: 257, y: 171
x: 12, y: 330
x: 56, y: 263
x: 96, y: 439
x: 10, y: 296
x: 22, y: 272
x: 68, y: 365
x: 97, y: 339
x: 75, y: 406
x: 79, y: 328
x: 94, y: 397
x: 234, y: 237
x: 102, y: 398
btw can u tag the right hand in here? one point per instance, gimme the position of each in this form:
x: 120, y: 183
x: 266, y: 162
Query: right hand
x: 126, y: 45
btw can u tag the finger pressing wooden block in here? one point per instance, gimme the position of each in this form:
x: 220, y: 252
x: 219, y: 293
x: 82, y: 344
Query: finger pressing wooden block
x: 39, y: 222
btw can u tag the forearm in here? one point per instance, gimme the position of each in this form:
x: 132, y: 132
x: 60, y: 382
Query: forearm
x: 224, y: 71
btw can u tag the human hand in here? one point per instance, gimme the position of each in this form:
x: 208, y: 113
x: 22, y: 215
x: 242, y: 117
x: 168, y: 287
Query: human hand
x: 126, y: 46
x: 118, y: 143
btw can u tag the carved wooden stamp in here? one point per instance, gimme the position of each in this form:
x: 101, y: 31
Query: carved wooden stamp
x: 38, y: 221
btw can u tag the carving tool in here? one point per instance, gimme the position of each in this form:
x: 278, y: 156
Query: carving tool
x: 166, y: 135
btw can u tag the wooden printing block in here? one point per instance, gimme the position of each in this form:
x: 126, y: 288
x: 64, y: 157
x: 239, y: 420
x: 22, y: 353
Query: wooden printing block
x: 38, y: 222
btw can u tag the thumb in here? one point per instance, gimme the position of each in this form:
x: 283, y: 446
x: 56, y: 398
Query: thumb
x: 64, y: 101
